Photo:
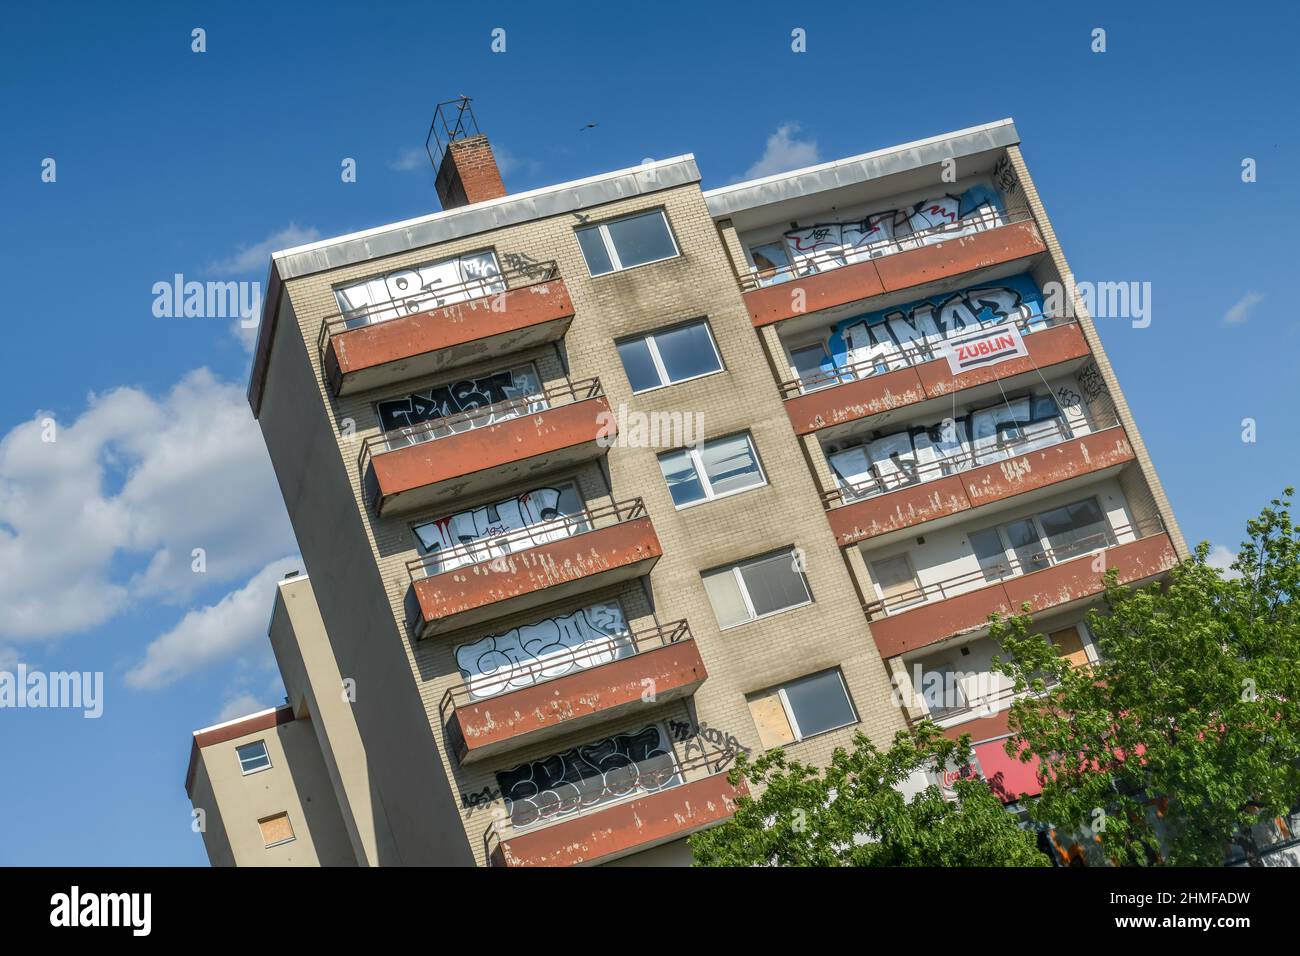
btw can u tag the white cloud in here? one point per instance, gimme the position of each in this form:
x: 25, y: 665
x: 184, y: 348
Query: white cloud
x: 256, y: 258
x: 214, y: 633
x: 133, y: 479
x: 1222, y: 557
x: 1240, y: 310
x: 783, y: 152
x: 410, y: 160
x: 240, y: 706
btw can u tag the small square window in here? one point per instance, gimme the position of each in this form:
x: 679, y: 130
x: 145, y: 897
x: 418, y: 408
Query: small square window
x: 253, y: 757
x: 667, y: 357
x: 628, y: 242
x: 714, y: 469
x: 756, y: 588
x: 276, y: 830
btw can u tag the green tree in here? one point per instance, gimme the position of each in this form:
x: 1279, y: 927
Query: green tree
x: 1196, y: 703
x: 850, y: 814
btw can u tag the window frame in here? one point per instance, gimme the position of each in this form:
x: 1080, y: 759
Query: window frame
x: 799, y: 736
x: 735, y: 567
x: 919, y: 586
x: 1044, y: 542
x: 696, y: 454
x: 602, y: 230
x: 652, y: 348
x: 292, y: 831
x: 266, y: 752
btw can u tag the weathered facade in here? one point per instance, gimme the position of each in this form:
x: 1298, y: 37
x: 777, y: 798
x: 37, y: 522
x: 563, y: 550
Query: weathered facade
x: 600, y: 483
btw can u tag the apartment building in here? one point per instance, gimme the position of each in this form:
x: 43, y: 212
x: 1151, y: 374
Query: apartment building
x: 600, y: 484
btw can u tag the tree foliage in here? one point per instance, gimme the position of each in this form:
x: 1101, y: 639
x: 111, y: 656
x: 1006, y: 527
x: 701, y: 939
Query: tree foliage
x: 850, y: 813
x: 1194, y: 707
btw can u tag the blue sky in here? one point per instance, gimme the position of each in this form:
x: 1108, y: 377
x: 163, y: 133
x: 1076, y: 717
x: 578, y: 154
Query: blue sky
x: 172, y: 162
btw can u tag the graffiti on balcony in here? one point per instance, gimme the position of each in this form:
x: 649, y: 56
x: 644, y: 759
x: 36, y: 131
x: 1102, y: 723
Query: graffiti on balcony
x: 455, y: 398
x: 549, y: 648
x: 828, y: 245
x: 583, y: 777
x: 983, y: 436
x: 504, y: 527
x: 416, y: 288
x: 877, y: 338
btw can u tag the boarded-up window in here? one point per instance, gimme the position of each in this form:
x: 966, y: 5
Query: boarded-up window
x: 769, y: 717
x: 276, y: 829
x: 1070, y: 646
x: 802, y: 708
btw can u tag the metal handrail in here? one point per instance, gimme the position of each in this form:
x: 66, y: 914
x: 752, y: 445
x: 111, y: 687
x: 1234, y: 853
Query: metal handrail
x: 715, y: 761
x: 905, y: 356
x: 1015, y: 567
x: 836, y: 258
x: 485, y: 549
x: 447, y: 426
x: 427, y: 300
x: 661, y: 635
x: 852, y: 493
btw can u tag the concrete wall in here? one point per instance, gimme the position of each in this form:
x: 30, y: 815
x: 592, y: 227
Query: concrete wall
x: 296, y: 782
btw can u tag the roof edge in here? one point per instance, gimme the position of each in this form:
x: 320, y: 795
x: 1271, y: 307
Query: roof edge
x: 737, y: 197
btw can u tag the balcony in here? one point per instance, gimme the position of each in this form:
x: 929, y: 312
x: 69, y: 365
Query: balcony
x: 471, y: 452
x: 420, y: 335
x: 1043, y: 456
x: 844, y: 277
x: 963, y: 604
x: 523, y: 704
x: 493, y: 577
x: 685, y: 798
x: 914, y: 374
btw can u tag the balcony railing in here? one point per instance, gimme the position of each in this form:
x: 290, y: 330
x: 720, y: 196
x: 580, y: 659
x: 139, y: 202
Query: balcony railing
x: 557, y: 529
x: 1034, y: 436
x: 594, y: 796
x: 427, y: 300
x: 518, y: 676
x: 901, y: 357
x: 845, y: 255
x: 993, y: 572
x: 555, y: 396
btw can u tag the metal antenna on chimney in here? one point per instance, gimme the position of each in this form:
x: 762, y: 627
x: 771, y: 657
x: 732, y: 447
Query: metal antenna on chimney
x: 452, y: 120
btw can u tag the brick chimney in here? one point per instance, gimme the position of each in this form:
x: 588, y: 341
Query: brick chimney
x: 468, y: 173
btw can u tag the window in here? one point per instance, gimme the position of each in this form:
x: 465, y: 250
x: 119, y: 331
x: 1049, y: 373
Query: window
x: 896, y: 581
x: 756, y: 588
x: 1039, y: 541
x: 714, y: 469
x: 253, y: 757
x: 276, y: 830
x: 1075, y: 528
x: 813, y: 367
x: 671, y: 356
x: 627, y: 242
x: 802, y: 708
